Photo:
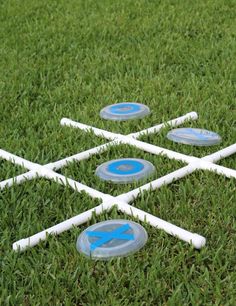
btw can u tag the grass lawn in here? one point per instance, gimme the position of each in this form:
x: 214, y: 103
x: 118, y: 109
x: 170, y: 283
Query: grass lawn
x: 70, y: 59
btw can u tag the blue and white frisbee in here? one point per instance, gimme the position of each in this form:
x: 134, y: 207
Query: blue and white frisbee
x: 125, y: 170
x: 112, y: 238
x: 124, y: 111
x: 196, y: 137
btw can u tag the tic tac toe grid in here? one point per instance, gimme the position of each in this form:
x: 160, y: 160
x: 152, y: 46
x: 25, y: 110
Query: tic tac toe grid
x: 122, y: 201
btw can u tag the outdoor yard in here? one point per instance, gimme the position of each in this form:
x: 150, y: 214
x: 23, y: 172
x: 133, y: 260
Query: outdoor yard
x: 72, y: 58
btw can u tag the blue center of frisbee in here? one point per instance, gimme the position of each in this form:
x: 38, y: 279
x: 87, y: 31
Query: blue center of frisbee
x: 105, y: 237
x: 125, y: 108
x: 124, y: 167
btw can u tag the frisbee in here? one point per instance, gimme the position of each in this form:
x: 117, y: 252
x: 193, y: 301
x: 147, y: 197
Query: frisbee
x: 192, y: 136
x: 124, y: 111
x: 112, y: 238
x: 125, y: 170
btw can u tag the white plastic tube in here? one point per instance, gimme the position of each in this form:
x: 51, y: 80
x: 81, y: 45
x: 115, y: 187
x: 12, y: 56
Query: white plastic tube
x: 120, y: 201
x: 61, y: 179
x: 129, y: 140
x: 80, y: 156
x: 108, y: 201
x: 31, y: 241
x: 172, y: 123
x: 99, y: 149
x: 86, y: 154
x: 215, y: 157
x: 196, y: 240
x: 30, y: 175
x: 50, y: 174
x: 200, y: 163
x: 184, y: 171
x: 83, y: 155
x: 156, y: 184
x: 18, y: 160
x: 230, y: 173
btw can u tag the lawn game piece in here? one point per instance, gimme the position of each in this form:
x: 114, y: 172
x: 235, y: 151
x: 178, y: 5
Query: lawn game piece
x: 125, y: 170
x: 124, y: 111
x: 195, y: 137
x: 112, y: 238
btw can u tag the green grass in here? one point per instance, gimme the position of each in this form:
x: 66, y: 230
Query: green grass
x: 70, y: 59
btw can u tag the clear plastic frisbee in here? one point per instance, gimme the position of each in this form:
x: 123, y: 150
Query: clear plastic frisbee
x: 125, y: 170
x: 112, y: 238
x: 196, y: 137
x: 124, y: 111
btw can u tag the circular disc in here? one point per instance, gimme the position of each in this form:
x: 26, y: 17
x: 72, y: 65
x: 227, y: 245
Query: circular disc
x: 125, y: 170
x: 197, y: 137
x: 124, y: 111
x: 112, y: 238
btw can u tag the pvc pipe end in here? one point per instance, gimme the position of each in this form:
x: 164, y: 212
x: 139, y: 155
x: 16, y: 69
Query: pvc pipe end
x: 21, y: 245
x: 64, y: 121
x: 193, y: 115
x: 198, y: 241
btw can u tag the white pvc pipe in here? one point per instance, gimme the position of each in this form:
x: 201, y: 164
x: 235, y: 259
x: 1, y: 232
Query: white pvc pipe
x: 171, y: 123
x: 30, y: 175
x: 61, y: 179
x: 230, y: 173
x: 215, y: 157
x: 80, y: 156
x: 196, y: 240
x: 156, y: 184
x: 200, y: 163
x: 52, y: 166
x: 174, y: 122
x: 99, y: 149
x: 109, y: 201
x: 86, y: 154
x: 33, y: 240
x: 157, y: 150
x: 88, y: 128
x: 50, y: 174
x: 19, y: 160
x: 129, y: 140
x: 182, y: 172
